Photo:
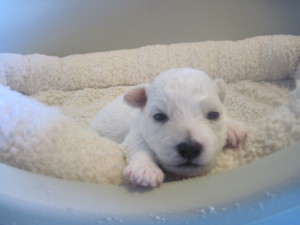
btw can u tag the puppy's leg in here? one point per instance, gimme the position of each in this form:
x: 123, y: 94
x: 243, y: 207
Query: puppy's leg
x: 236, y: 132
x: 142, y: 169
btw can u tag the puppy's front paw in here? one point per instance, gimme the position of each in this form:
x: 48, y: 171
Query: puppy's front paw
x: 236, y: 133
x: 143, y: 174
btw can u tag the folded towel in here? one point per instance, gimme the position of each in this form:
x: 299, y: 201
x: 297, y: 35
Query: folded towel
x: 40, y: 139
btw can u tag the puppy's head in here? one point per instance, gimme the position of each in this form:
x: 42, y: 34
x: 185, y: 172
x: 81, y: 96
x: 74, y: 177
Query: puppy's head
x: 182, y: 119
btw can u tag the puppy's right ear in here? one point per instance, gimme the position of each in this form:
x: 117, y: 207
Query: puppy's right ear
x: 221, y: 87
x: 136, y: 97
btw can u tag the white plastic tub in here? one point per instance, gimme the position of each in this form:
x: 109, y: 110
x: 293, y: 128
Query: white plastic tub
x: 264, y: 192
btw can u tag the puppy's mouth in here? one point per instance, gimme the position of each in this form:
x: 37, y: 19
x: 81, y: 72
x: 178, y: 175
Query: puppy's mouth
x: 188, y: 164
x: 185, y: 165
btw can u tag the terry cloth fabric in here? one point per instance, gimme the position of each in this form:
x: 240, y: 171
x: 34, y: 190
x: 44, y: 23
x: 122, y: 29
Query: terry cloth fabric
x: 47, y: 132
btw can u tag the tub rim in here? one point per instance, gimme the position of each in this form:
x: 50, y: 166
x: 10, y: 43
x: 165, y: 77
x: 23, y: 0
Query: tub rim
x: 267, y: 187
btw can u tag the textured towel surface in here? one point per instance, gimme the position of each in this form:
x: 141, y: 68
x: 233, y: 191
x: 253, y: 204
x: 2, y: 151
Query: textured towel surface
x: 257, y: 59
x: 260, y: 73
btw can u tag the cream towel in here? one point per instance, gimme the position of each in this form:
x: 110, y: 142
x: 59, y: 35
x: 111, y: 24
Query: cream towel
x: 260, y: 72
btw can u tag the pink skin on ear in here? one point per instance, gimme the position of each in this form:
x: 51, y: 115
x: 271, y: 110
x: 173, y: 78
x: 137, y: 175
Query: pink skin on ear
x: 136, y: 97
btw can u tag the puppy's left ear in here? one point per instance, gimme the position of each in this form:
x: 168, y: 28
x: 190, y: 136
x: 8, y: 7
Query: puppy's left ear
x: 136, y: 97
x: 221, y: 88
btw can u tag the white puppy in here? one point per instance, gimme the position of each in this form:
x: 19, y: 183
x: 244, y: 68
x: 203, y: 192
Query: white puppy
x: 177, y: 123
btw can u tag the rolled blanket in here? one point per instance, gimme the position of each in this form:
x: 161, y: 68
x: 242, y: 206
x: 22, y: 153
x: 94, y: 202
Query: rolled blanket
x: 256, y: 59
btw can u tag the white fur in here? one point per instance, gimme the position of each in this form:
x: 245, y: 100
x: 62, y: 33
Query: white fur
x: 186, y: 96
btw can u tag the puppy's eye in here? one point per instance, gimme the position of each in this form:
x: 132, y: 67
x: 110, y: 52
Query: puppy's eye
x: 160, y: 117
x: 213, y: 115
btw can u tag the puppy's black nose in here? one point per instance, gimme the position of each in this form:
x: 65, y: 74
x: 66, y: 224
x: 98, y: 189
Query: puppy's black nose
x: 189, y: 149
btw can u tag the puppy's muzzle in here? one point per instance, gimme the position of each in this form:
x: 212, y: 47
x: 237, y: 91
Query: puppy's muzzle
x: 189, y: 150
